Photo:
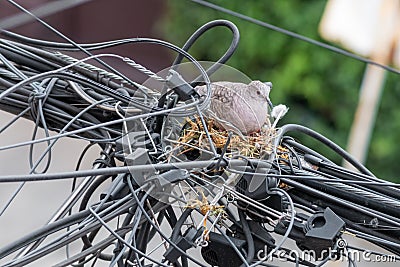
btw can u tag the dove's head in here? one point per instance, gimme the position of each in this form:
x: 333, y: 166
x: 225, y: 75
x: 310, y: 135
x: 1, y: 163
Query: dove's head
x: 260, y: 90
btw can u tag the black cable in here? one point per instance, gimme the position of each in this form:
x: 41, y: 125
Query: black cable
x: 25, y: 58
x: 118, y: 247
x: 63, y: 108
x: 5, y: 82
x: 176, y: 231
x: 142, y: 237
x: 176, y: 223
x: 82, y: 80
x: 90, y: 191
x: 60, y: 122
x: 41, y: 121
x: 196, y: 35
x: 343, y: 173
x: 372, y: 232
x: 356, y: 198
x: 232, y: 27
x: 340, y: 151
x: 103, y: 45
x: 306, y: 150
x: 51, y: 57
x: 87, y: 240
x: 295, y: 35
x: 65, y: 118
x: 100, y: 246
x: 356, y: 181
x: 171, y: 242
x: 145, y: 40
x: 192, y: 39
x: 160, y: 218
x: 171, y: 216
x: 48, y: 26
x: 45, y: 231
x: 292, y: 153
x: 248, y: 236
x: 92, y: 84
x: 346, y: 206
x: 45, y: 250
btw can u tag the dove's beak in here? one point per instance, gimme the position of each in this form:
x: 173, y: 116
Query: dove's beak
x: 271, y: 106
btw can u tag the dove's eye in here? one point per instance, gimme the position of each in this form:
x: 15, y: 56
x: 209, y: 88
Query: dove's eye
x: 258, y: 92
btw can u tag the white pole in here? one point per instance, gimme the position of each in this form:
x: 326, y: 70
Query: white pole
x: 364, y: 119
x: 373, y: 81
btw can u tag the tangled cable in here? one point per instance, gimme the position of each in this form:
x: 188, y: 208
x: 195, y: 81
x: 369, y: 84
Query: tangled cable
x: 168, y: 179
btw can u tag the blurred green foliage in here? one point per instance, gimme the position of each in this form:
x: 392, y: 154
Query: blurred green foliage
x: 320, y: 87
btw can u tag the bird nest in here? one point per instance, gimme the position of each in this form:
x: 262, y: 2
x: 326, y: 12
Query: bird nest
x: 194, y: 139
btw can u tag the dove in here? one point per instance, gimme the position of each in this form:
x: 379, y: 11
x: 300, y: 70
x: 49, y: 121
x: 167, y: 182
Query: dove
x: 238, y: 106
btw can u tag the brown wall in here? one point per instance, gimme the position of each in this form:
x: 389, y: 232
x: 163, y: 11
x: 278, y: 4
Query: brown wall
x: 100, y: 20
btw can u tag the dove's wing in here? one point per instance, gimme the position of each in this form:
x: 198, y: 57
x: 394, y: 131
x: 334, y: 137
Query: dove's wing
x: 226, y: 117
x: 222, y: 106
x: 221, y: 89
